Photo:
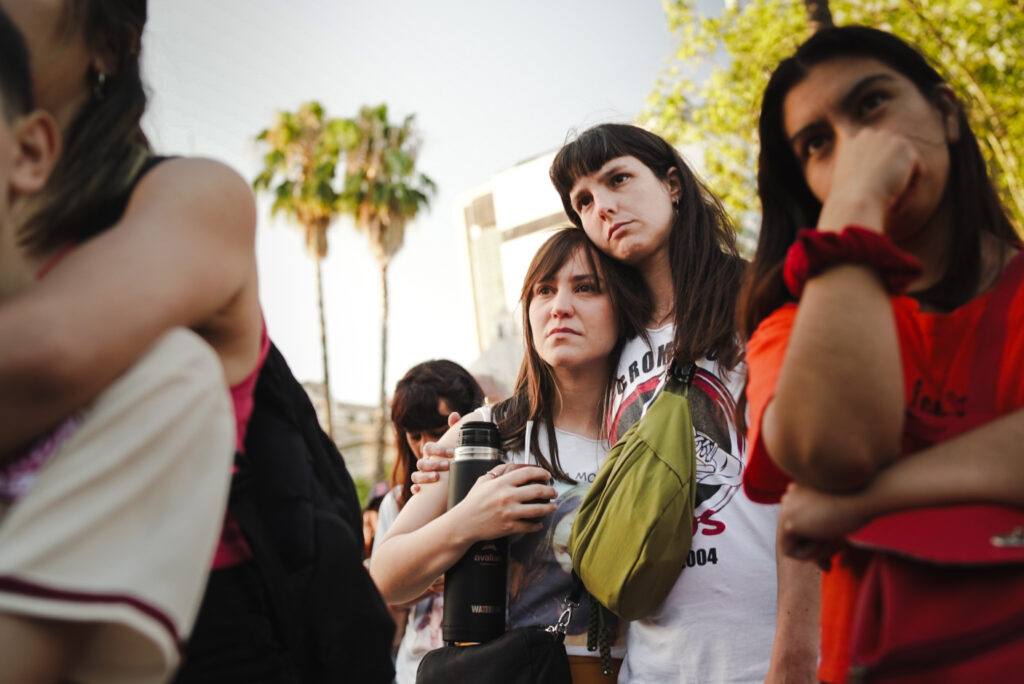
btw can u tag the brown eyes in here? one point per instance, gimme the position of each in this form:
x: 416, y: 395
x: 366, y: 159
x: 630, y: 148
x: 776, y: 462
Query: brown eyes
x: 871, y: 102
x: 583, y: 287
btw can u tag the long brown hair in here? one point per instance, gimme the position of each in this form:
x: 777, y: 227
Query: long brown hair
x: 414, y: 409
x: 104, y: 146
x: 15, y: 79
x: 535, y: 391
x: 788, y: 204
x: 706, y: 265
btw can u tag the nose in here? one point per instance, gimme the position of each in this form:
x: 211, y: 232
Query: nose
x: 561, y: 304
x: 604, y: 202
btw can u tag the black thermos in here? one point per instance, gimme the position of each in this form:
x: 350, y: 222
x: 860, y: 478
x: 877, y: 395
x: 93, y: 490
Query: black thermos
x: 476, y: 587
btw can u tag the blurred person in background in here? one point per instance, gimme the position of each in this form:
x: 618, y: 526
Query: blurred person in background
x: 424, y: 400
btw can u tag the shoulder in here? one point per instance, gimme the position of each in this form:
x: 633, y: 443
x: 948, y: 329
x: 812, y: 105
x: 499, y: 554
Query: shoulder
x: 727, y: 381
x: 658, y: 344
x: 199, y: 174
x: 196, y: 188
x: 771, y: 332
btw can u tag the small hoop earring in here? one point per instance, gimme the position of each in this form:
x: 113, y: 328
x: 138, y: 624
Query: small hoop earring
x: 101, y: 81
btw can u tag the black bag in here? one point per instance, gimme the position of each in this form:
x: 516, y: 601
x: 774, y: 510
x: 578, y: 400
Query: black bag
x: 298, y: 509
x: 526, y: 655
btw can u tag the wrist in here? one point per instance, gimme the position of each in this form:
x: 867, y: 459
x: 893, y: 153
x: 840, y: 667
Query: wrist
x: 815, y: 252
x: 836, y: 214
x: 452, y: 530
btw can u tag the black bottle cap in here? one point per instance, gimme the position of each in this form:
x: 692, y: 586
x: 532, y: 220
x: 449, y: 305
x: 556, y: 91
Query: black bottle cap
x: 479, y: 434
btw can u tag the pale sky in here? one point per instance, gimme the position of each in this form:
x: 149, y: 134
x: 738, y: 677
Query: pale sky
x: 491, y: 84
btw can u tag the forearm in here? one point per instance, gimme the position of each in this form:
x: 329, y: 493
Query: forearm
x: 407, y: 563
x: 798, y: 622
x: 425, y: 540
x: 837, y: 412
x: 40, y: 382
x: 985, y: 465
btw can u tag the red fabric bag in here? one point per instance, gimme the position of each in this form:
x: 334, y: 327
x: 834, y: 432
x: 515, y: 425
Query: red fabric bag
x: 943, y: 596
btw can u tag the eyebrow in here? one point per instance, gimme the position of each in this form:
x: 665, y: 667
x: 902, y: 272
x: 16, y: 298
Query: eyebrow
x: 574, y: 279
x: 614, y: 169
x: 846, y: 103
x: 584, y: 276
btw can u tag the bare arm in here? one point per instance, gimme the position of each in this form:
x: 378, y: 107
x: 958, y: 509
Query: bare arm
x: 837, y: 414
x: 181, y: 255
x: 39, y: 651
x: 425, y: 539
x: 797, y: 623
x: 985, y: 465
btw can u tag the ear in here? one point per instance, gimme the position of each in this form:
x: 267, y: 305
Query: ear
x: 674, y: 184
x: 38, y: 148
x: 949, y: 106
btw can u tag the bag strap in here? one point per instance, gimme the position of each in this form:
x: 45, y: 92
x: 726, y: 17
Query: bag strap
x: 571, y: 602
x: 679, y: 377
x: 988, y: 356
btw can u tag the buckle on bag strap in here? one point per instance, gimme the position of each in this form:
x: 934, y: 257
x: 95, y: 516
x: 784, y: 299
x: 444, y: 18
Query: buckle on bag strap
x: 682, y: 373
x: 562, y: 624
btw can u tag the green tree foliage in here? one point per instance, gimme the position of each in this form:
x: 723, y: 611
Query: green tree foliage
x: 302, y: 153
x: 711, y: 94
x: 382, y: 192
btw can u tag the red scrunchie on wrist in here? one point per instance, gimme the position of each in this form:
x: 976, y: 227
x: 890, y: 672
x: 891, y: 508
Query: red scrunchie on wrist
x: 815, y: 252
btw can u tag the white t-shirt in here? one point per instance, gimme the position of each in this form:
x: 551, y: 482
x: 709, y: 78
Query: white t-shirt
x: 540, y: 569
x: 717, y: 623
x: 113, y: 517
x: 423, y: 627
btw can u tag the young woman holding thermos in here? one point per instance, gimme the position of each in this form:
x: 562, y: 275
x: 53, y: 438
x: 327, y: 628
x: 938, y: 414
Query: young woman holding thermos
x: 578, y: 308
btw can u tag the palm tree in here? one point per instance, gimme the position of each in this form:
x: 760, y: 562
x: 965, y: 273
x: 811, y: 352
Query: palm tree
x: 382, y: 193
x: 300, y: 163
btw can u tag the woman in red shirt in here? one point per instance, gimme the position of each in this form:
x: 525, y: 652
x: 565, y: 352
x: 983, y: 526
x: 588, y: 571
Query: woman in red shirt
x: 863, y: 142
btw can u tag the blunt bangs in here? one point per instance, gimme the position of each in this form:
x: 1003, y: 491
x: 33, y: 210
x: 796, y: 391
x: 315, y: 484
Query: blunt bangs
x: 583, y: 156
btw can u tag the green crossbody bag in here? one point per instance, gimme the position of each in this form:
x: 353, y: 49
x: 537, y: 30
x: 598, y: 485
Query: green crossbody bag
x: 633, y: 530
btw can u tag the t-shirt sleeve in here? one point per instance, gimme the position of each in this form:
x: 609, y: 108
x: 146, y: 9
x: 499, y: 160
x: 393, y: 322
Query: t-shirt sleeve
x: 762, y: 480
x: 386, y: 515
x: 119, y: 527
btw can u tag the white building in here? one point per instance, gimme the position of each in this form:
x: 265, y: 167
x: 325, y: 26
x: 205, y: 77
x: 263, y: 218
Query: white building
x: 501, y: 225
x: 355, y: 432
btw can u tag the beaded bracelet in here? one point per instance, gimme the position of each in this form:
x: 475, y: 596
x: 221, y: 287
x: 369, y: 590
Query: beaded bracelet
x: 816, y: 251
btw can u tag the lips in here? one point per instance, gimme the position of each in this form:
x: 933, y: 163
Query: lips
x: 556, y: 331
x: 615, y: 228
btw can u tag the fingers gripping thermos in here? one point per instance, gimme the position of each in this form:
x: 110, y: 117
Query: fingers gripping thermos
x: 475, y: 590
